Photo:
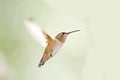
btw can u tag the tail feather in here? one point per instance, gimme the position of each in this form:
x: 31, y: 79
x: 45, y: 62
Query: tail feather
x: 41, y: 63
x: 44, y: 59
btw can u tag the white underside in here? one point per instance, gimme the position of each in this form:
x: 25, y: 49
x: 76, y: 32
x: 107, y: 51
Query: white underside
x: 57, y: 47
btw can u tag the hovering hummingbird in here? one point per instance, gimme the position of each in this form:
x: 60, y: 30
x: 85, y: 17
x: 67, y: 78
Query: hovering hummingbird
x: 52, y: 45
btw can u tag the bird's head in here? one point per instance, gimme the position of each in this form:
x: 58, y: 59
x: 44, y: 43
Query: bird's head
x: 63, y: 35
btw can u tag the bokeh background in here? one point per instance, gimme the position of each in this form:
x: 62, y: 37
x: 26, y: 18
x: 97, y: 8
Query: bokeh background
x: 91, y: 54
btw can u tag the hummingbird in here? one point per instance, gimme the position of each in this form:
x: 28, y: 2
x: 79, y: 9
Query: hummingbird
x: 52, y: 45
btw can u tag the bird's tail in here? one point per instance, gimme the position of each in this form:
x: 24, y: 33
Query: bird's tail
x: 41, y: 63
x: 43, y: 60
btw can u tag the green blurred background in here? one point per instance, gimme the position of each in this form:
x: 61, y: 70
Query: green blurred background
x: 91, y: 54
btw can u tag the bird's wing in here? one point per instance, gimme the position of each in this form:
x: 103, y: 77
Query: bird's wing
x: 36, y: 32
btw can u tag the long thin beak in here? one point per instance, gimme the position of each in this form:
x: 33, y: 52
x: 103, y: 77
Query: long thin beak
x: 73, y: 31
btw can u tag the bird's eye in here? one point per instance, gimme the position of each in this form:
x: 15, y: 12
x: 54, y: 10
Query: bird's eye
x: 63, y: 33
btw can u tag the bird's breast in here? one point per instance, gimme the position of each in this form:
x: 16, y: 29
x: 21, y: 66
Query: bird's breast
x: 56, y: 47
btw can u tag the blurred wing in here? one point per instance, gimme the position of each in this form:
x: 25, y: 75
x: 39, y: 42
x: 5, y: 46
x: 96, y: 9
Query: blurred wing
x: 36, y: 32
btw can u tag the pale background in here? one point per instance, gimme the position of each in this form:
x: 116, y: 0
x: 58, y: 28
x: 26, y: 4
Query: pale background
x: 91, y: 54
